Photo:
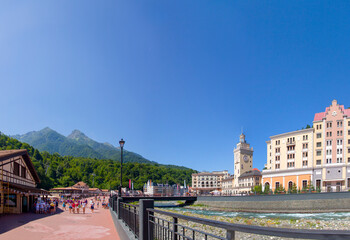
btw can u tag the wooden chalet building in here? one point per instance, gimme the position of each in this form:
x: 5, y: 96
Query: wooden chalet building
x: 18, y: 181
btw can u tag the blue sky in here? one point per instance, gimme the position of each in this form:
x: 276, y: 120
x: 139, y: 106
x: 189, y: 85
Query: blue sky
x: 176, y: 79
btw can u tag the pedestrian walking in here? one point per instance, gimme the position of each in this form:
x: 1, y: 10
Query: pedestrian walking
x: 92, y: 207
x: 84, y: 205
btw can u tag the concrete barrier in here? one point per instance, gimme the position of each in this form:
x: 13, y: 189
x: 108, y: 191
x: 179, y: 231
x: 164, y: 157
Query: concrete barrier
x: 321, y: 202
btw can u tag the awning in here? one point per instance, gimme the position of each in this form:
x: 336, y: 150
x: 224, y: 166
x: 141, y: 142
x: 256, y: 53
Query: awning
x: 21, y: 189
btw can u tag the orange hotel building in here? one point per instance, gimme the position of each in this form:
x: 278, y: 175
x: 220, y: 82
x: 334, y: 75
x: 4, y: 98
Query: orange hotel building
x: 320, y: 155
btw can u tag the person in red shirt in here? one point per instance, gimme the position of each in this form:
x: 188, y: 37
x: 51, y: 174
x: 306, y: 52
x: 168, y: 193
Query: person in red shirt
x: 73, y: 207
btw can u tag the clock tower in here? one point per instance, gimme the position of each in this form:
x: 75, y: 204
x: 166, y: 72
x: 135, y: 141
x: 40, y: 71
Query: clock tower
x: 243, y: 158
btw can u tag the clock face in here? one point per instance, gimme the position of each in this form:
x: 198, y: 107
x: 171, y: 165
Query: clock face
x: 245, y: 158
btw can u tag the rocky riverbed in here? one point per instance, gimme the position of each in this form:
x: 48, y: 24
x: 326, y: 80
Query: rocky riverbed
x: 293, y: 223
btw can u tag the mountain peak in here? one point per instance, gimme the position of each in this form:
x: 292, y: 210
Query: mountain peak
x: 76, y: 134
x: 47, y: 129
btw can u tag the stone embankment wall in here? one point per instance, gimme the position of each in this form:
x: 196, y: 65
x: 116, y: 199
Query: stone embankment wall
x: 313, y: 202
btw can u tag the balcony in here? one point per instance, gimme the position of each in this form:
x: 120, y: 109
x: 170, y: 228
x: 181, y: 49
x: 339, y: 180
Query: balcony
x: 290, y: 143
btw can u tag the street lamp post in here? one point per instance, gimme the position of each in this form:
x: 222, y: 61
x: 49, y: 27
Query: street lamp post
x: 121, y: 143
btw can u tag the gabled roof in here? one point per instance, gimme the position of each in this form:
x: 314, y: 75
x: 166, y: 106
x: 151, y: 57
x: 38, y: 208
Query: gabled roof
x: 7, y: 154
x: 250, y: 173
x: 321, y: 115
x: 81, y: 184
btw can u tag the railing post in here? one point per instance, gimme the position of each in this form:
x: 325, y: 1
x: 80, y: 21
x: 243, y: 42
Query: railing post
x: 111, y: 203
x: 175, y: 222
x: 115, y: 205
x: 230, y: 235
x: 143, y: 219
x: 119, y: 200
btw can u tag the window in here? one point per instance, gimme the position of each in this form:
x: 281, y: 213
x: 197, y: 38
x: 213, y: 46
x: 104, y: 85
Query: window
x: 318, y: 144
x: 23, y: 172
x: 304, y: 163
x: 305, y: 145
x: 348, y: 160
x: 291, y: 148
x: 291, y: 164
x: 318, y: 153
x: 305, y: 137
x: 319, y: 135
x: 339, y: 123
x: 278, y: 158
x: 318, y: 162
x: 291, y: 156
x: 339, y: 160
x: 339, y: 142
x: 348, y: 182
x: 242, y: 166
x: 329, y: 160
x: 277, y: 185
x: 329, y: 124
x: 16, y: 169
x: 304, y: 154
x: 278, y: 142
x: 277, y: 166
x: 278, y: 150
x: 318, y: 183
x: 304, y: 184
x: 348, y: 132
x: 329, y: 142
x: 10, y: 199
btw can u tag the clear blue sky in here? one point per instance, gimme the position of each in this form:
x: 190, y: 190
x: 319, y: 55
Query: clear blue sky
x: 176, y: 79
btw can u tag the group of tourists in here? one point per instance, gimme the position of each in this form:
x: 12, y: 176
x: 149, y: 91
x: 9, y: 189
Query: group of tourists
x: 75, y: 206
x: 46, y: 207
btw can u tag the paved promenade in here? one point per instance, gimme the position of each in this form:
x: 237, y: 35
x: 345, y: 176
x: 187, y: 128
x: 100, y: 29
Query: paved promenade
x: 97, y: 225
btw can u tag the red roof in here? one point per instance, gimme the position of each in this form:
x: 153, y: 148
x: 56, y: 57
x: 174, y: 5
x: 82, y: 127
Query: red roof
x: 256, y: 169
x: 321, y: 115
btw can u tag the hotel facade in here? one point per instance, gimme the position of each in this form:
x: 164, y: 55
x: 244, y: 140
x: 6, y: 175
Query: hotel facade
x: 317, y: 156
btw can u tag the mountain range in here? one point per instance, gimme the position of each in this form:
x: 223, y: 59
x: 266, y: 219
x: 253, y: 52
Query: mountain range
x: 76, y: 144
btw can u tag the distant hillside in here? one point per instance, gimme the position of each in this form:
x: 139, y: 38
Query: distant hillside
x: 77, y: 144
x: 57, y: 171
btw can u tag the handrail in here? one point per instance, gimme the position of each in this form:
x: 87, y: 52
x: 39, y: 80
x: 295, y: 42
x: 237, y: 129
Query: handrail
x: 128, y: 204
x: 270, y: 231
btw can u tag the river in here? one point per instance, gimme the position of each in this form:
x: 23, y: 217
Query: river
x: 317, y: 216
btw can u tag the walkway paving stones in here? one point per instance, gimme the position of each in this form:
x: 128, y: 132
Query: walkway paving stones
x: 63, y: 225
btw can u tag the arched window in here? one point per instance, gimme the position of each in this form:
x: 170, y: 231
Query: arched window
x: 290, y: 186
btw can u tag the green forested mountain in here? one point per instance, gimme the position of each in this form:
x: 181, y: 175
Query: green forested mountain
x: 55, y: 170
x: 77, y: 144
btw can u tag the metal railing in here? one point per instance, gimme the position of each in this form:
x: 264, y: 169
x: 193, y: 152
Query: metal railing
x: 129, y: 214
x: 161, y: 228
x: 148, y: 223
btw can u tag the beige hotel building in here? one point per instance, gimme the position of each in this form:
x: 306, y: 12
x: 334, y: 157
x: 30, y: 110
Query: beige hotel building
x: 319, y: 155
